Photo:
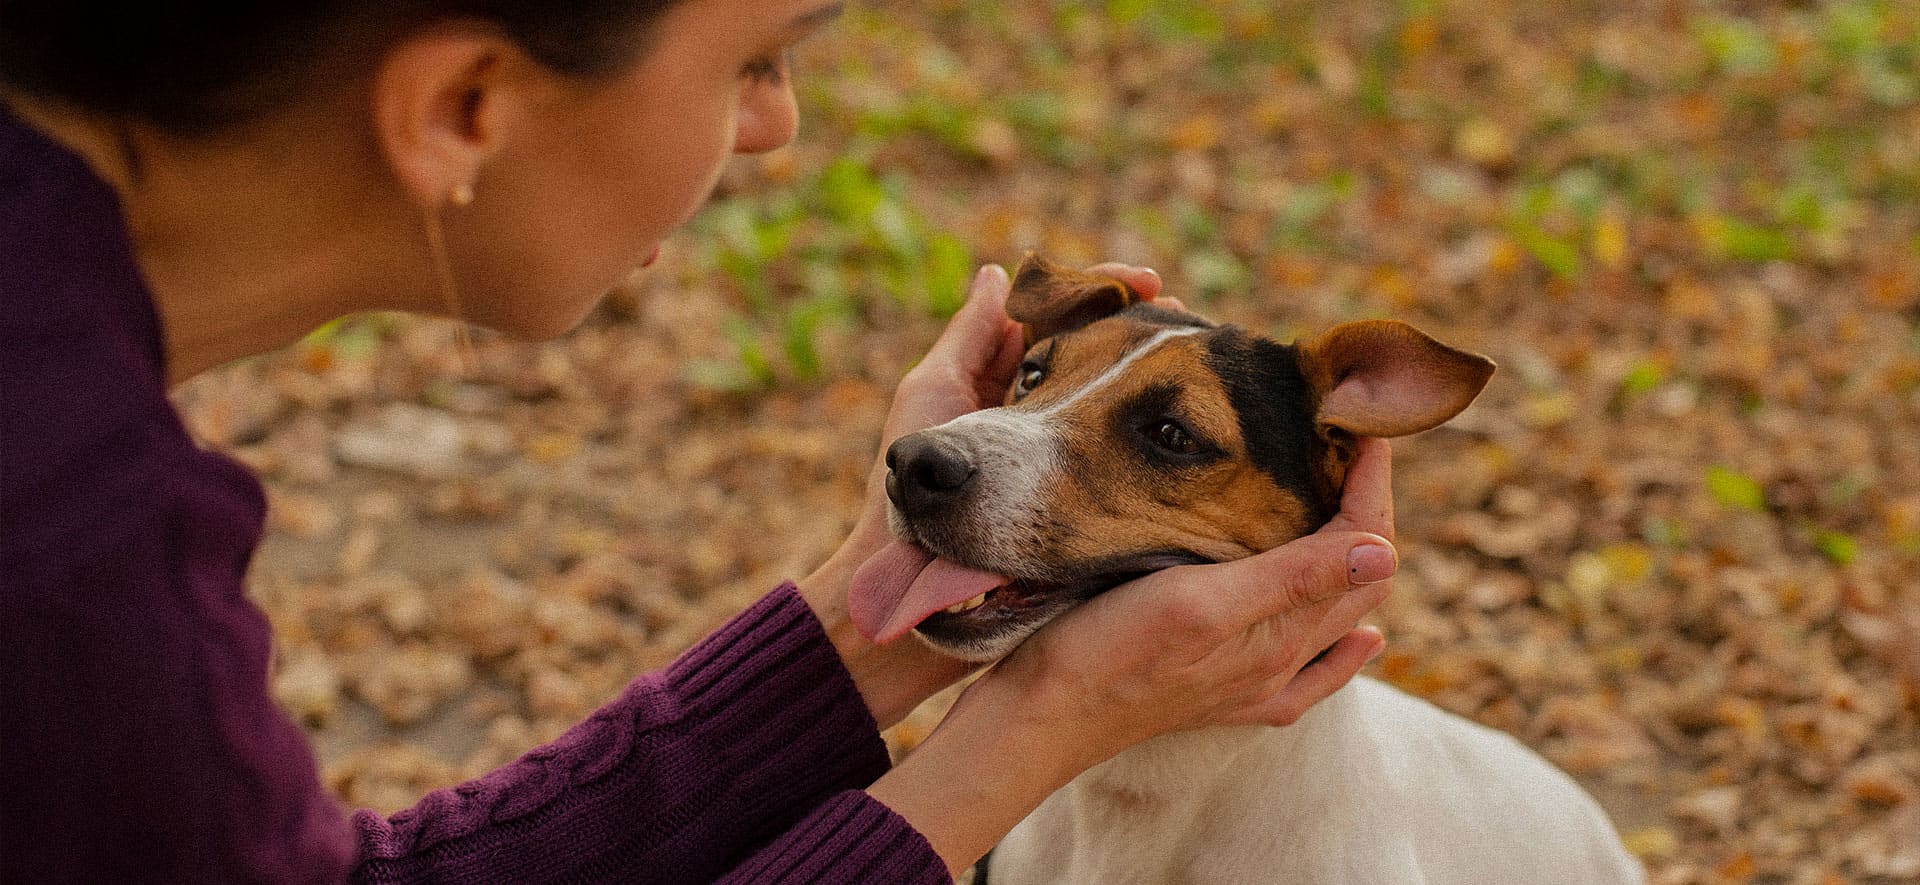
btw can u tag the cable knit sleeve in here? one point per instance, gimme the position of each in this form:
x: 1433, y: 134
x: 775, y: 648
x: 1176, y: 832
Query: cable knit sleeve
x: 750, y: 749
x: 851, y: 838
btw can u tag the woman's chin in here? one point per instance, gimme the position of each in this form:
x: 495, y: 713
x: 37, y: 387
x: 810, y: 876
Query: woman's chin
x: 541, y: 310
x: 530, y: 316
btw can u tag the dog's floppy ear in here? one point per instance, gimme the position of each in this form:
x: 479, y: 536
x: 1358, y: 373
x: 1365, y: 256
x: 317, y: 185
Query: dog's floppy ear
x: 1386, y: 378
x: 1048, y: 299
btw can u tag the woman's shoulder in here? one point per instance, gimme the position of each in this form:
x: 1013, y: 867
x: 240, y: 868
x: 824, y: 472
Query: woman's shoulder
x: 85, y: 424
x: 70, y: 270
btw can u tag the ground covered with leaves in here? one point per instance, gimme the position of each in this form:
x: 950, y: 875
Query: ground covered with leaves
x: 1675, y: 547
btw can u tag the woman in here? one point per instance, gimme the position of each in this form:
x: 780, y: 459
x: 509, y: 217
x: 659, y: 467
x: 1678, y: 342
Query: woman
x: 184, y: 189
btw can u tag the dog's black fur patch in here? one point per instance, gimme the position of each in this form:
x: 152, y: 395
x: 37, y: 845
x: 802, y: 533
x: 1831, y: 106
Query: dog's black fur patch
x: 1275, y: 407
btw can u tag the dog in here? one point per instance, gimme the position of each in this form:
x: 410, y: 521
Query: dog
x: 1135, y: 438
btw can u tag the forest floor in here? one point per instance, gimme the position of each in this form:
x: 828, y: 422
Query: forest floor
x: 1675, y: 547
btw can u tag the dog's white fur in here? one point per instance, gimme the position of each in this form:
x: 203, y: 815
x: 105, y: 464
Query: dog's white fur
x: 1370, y: 786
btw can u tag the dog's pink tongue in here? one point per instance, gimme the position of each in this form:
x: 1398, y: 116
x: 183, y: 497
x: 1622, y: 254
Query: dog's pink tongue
x: 901, y: 585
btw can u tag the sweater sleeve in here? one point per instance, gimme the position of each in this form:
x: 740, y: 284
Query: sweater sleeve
x: 852, y: 837
x: 756, y: 740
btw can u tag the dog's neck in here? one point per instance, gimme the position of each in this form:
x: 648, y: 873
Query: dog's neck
x: 1190, y: 783
x: 1192, y: 758
x: 1189, y: 763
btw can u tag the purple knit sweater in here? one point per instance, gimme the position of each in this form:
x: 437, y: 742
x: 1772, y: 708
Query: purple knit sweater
x: 138, y: 741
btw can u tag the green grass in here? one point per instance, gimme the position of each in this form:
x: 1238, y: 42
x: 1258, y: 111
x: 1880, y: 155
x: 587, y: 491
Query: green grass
x: 817, y: 255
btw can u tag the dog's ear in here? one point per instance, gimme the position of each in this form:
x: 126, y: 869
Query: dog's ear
x: 1386, y: 378
x: 1048, y: 299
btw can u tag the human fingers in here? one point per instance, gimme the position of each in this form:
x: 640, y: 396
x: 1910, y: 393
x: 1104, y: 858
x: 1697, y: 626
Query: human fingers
x: 1294, y: 694
x: 1144, y: 281
x: 1293, y: 576
x: 1366, y: 501
x: 973, y: 338
x: 1288, y: 640
x: 967, y: 367
x: 990, y: 385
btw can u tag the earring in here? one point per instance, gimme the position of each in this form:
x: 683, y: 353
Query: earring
x: 443, y: 274
x: 461, y: 195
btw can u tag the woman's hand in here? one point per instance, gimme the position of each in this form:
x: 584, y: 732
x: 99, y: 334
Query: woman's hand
x: 1229, y: 644
x: 968, y: 369
x: 1190, y: 647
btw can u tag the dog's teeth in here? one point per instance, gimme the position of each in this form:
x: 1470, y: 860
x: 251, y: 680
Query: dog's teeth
x: 969, y: 605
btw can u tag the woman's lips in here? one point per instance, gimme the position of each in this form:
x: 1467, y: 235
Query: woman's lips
x: 652, y: 256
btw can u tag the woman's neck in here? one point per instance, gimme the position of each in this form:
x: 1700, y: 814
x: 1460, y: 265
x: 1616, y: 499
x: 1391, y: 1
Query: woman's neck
x: 248, y: 242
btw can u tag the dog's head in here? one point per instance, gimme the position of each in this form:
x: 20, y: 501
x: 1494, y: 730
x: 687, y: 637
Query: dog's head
x: 1134, y: 438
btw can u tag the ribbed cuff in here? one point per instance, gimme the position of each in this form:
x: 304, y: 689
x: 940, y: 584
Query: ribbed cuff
x: 691, y: 770
x: 775, y: 706
x: 853, y: 837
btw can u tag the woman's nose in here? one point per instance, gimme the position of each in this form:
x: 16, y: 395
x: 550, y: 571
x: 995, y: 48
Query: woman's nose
x: 768, y: 117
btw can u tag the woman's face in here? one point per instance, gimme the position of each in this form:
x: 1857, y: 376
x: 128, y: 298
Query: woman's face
x: 605, y: 169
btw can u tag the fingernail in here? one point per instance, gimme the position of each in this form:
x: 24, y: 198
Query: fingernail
x: 1378, y: 650
x: 1371, y: 564
x: 989, y: 275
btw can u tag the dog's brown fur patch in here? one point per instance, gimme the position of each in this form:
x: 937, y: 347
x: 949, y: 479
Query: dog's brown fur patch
x: 1111, y: 498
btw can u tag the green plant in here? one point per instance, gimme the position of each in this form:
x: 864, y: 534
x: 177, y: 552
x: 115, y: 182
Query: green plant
x: 815, y: 255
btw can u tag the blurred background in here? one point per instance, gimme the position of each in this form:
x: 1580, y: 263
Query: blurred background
x: 1675, y: 547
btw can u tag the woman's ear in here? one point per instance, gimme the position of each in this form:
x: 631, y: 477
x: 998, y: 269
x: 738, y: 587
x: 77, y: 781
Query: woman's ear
x: 1385, y: 378
x: 443, y: 101
x: 1048, y: 299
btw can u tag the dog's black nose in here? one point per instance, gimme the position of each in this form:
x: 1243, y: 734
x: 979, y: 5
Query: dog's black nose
x: 925, y: 473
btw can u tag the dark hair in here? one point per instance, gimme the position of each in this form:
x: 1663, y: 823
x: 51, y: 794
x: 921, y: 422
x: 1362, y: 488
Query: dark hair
x: 202, y: 66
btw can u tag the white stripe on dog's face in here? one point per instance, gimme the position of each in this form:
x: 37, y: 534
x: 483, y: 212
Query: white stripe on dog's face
x: 1118, y: 368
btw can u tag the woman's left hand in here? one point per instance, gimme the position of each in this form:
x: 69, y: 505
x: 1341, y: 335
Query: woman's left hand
x: 968, y: 369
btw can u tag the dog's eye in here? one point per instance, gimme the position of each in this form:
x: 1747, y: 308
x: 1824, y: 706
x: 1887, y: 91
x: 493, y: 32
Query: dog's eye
x: 1171, y: 436
x: 1030, y: 377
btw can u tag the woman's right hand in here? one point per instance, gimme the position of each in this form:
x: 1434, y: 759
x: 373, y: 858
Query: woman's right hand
x: 1228, y: 644
x: 1190, y: 647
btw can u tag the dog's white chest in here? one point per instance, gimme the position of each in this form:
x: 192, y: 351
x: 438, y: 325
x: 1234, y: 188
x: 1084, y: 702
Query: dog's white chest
x: 1371, y: 786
